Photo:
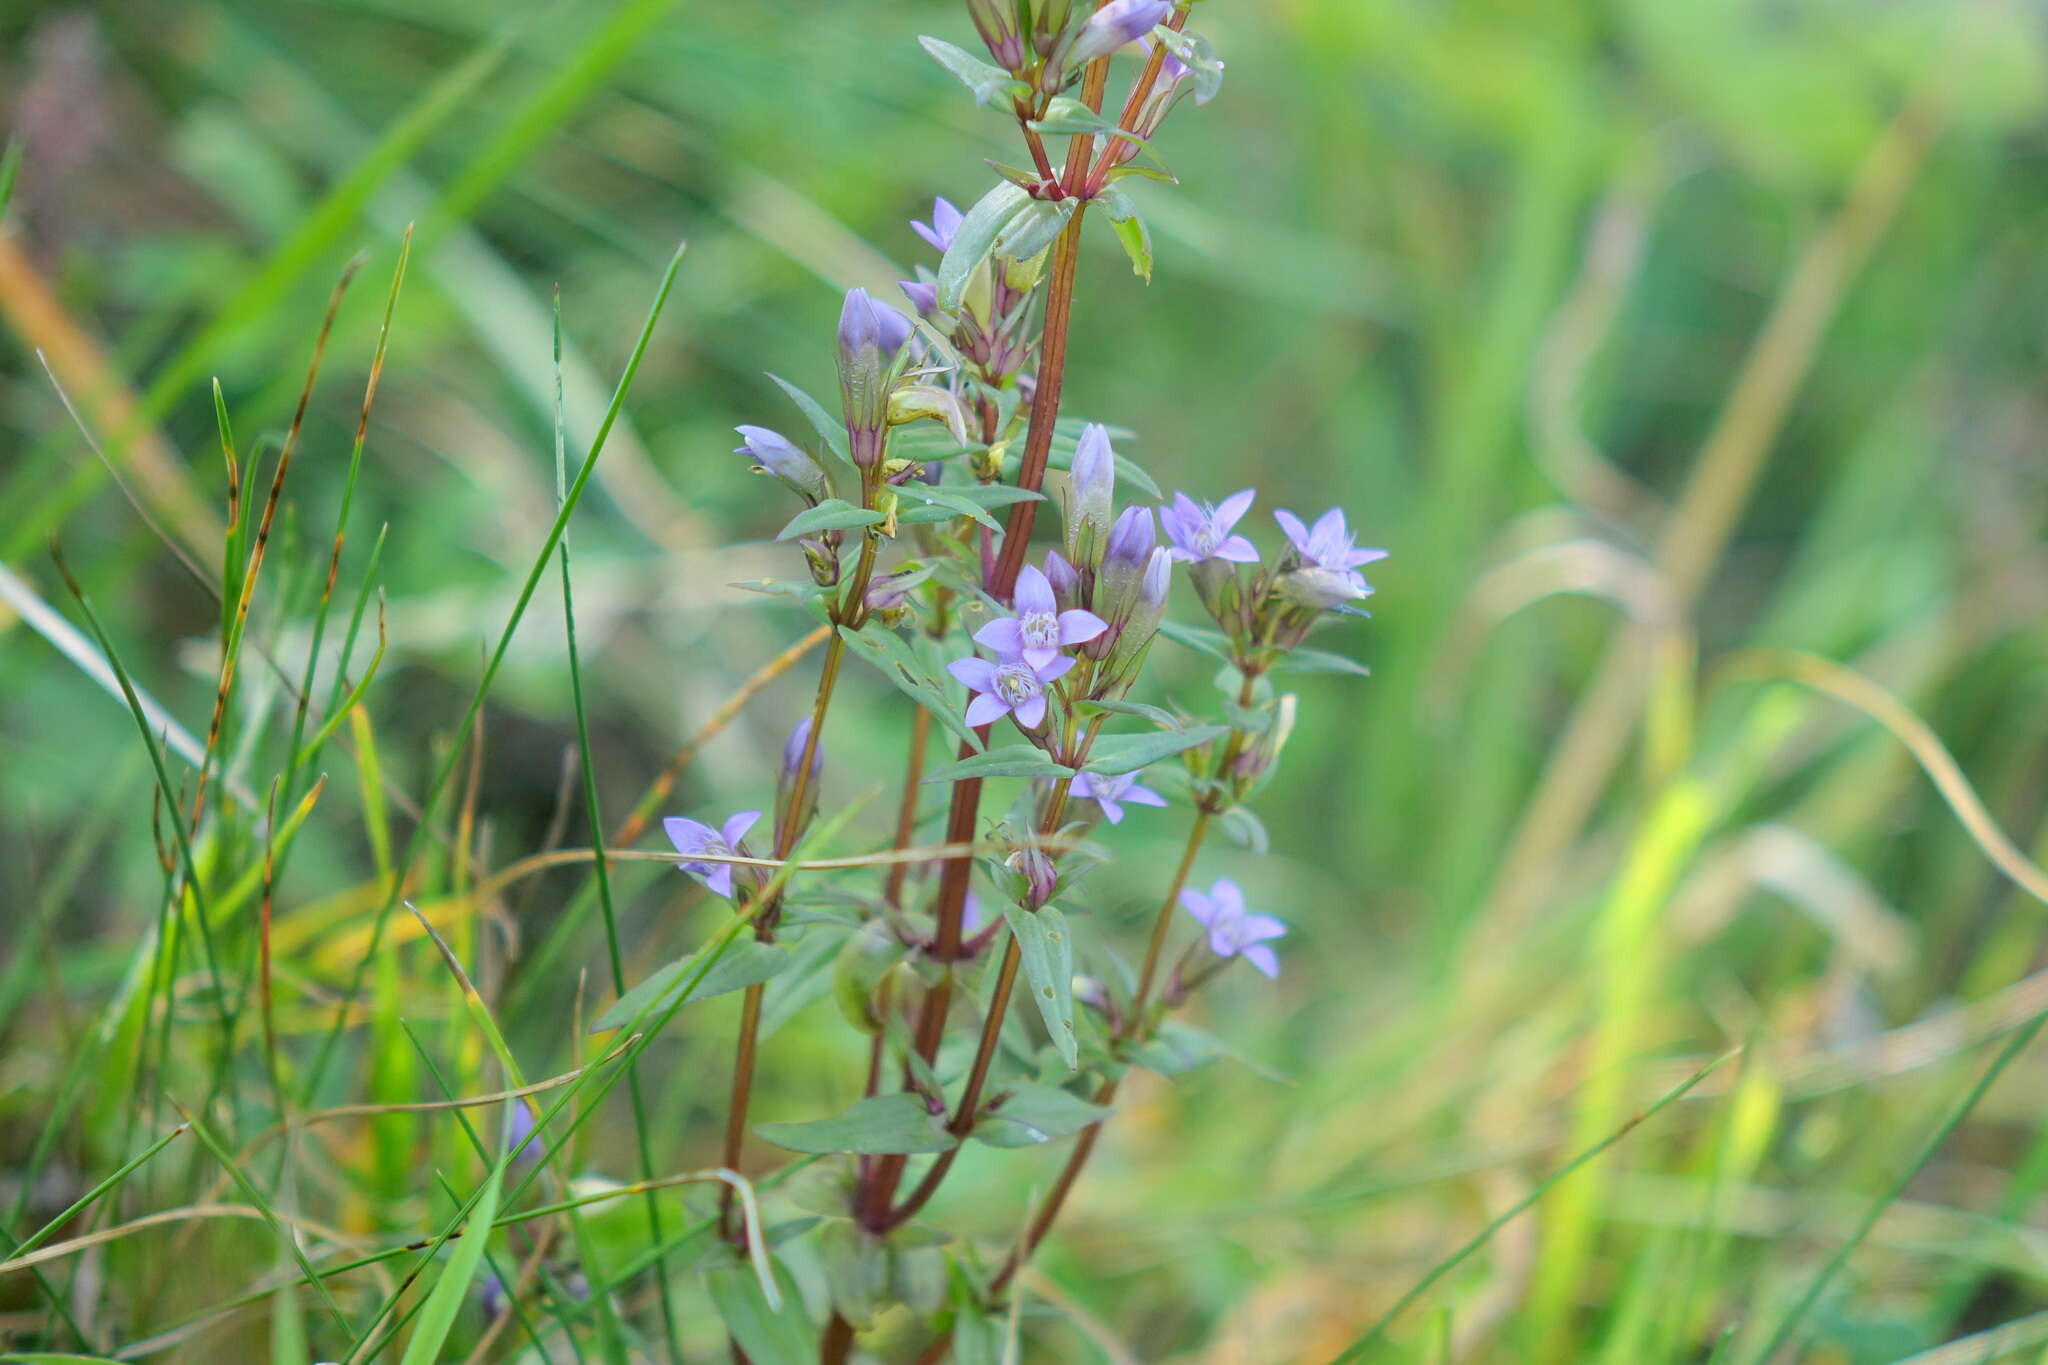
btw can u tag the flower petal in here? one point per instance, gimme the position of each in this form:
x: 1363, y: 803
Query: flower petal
x: 689, y: 836
x: 1233, y: 507
x: 1297, y: 534
x: 1238, y: 550
x: 1034, y: 593
x: 1228, y: 896
x: 719, y: 879
x: 1262, y: 957
x: 1004, y: 635
x: 1078, y: 626
x: 1057, y: 668
x: 978, y: 674
x: 1329, y: 531
x: 1197, y: 905
x: 1038, y: 656
x: 736, y: 828
x: 1254, y: 927
x: 1140, y: 795
x: 986, y: 709
x: 1030, y: 712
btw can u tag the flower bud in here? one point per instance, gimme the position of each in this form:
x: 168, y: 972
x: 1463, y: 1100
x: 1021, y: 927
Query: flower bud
x: 821, y: 555
x: 776, y: 454
x: 1049, y: 24
x: 996, y: 22
x: 889, y: 597
x: 1116, y: 23
x: 1134, y: 634
x: 1259, y: 755
x: 871, y: 339
x: 1132, y: 541
x: 1035, y: 877
x: 1065, y: 580
x: 793, y: 810
x: 923, y: 296
x: 1320, y: 589
x: 1091, y: 490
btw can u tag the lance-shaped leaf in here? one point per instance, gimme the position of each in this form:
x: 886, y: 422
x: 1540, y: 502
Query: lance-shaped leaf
x: 1301, y: 659
x: 975, y: 238
x: 833, y: 514
x: 1031, y: 1114
x: 829, y: 428
x: 1130, y: 230
x: 1011, y: 760
x: 1048, y: 956
x: 1128, y: 753
x: 987, y: 82
x: 1033, y: 228
x: 973, y: 500
x: 883, y: 1125
x: 887, y: 652
x: 744, y: 964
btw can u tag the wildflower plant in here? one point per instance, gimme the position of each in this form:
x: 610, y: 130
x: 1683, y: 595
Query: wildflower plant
x: 920, y: 500
x: 913, y: 545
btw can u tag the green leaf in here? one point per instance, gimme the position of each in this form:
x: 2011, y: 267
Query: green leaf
x: 1176, y: 1049
x: 974, y: 239
x: 881, y: 1126
x: 886, y: 650
x: 1032, y: 1114
x: 1033, y: 227
x: 948, y: 499
x: 1304, y: 660
x: 1048, y: 955
x: 10, y: 166
x: 829, y: 428
x: 1012, y: 760
x: 1212, y: 642
x: 769, y: 1335
x: 1128, y: 472
x: 1128, y: 753
x: 1246, y: 829
x: 856, y: 1271
x: 451, y: 1289
x: 985, y: 81
x: 833, y: 514
x: 747, y: 963
x: 1158, y: 715
x: 1130, y: 230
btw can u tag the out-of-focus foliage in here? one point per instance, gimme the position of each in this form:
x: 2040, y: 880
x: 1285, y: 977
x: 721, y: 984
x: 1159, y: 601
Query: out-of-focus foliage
x: 1643, y: 333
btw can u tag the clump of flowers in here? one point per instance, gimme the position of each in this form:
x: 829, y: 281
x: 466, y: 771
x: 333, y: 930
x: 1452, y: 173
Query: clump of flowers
x: 918, y: 503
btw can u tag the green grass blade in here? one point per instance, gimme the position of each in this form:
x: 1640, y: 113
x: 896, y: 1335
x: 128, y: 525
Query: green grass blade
x: 444, y: 1301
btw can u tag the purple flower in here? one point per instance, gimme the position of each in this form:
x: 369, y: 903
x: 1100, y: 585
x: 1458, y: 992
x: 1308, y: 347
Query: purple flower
x: 1201, y: 531
x: 1064, y: 577
x: 519, y: 1136
x: 1233, y: 930
x: 694, y: 836
x: 1009, y: 688
x: 970, y: 913
x: 1091, y: 493
x: 863, y: 322
x: 945, y: 222
x: 783, y: 458
x: 1039, y: 628
x: 923, y: 296
x: 793, y: 750
x: 1321, y: 589
x: 1117, y: 23
x: 1111, y: 792
x: 1131, y: 539
x: 1327, y: 545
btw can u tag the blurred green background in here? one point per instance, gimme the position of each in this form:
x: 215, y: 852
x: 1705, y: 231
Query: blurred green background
x: 1642, y: 333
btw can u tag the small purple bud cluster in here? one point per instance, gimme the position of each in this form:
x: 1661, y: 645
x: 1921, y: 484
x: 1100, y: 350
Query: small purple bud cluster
x: 992, y: 330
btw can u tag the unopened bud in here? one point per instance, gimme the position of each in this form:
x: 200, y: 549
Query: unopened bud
x: 871, y: 340
x: 776, y: 454
x: 1091, y: 492
x: 822, y: 557
x: 1035, y: 877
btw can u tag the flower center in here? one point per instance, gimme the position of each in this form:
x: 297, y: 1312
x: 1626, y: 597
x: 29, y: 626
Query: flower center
x: 1040, y: 630
x: 1206, y: 539
x: 1016, y: 684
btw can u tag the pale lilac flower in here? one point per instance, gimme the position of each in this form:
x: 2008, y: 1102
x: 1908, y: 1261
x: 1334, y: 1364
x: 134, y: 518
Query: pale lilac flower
x: 1009, y: 688
x: 526, y: 1148
x: 863, y: 322
x: 694, y: 836
x: 1327, y: 545
x: 1040, y: 628
x: 1131, y: 539
x: 1064, y: 577
x: 945, y: 222
x: 783, y: 458
x: 1090, y: 495
x: 1117, y: 23
x: 970, y: 913
x: 1233, y: 930
x: 1111, y: 793
x: 923, y: 296
x: 1202, y: 531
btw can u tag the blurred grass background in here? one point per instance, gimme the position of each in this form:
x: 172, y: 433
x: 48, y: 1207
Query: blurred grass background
x: 1642, y: 333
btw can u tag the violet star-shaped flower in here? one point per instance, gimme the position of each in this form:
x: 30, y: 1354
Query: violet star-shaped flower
x: 1201, y: 530
x: 1012, y: 687
x: 1039, y: 629
x: 945, y: 222
x: 1233, y: 930
x: 694, y: 836
x: 1327, y: 544
x: 1111, y: 792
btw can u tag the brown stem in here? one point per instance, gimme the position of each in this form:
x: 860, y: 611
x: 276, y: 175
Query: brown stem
x: 1141, y: 90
